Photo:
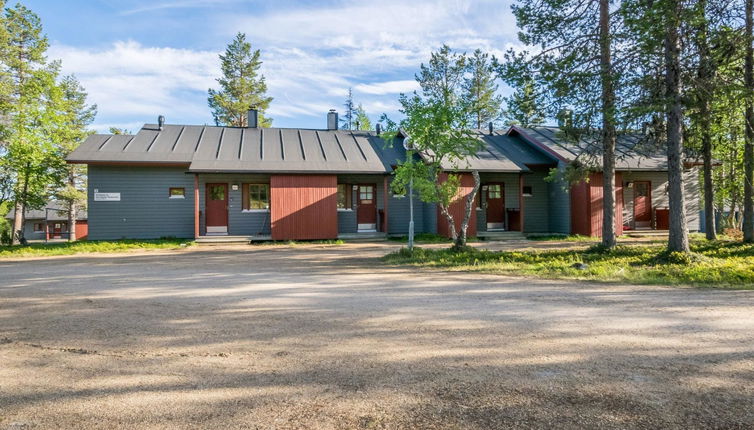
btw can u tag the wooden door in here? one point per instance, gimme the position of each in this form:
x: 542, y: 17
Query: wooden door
x: 216, y: 208
x: 495, y: 206
x: 642, y: 204
x: 57, y: 229
x: 366, y: 208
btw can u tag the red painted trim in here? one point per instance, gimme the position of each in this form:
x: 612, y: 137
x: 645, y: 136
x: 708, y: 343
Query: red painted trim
x: 539, y: 144
x: 196, y: 206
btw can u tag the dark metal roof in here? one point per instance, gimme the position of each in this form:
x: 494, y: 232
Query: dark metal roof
x: 236, y: 149
x: 632, y: 152
x: 54, y: 215
x: 281, y: 150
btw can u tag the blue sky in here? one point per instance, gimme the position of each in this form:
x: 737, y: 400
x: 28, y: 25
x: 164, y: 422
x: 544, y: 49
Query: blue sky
x: 139, y: 59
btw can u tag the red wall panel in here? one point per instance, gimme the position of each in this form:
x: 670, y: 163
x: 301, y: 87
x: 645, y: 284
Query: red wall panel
x: 82, y: 230
x: 458, y: 208
x: 304, y: 207
x: 586, y: 206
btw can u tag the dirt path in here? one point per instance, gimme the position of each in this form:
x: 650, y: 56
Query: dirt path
x: 325, y: 337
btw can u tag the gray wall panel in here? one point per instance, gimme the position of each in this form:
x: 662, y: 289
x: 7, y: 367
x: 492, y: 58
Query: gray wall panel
x: 536, y: 206
x: 559, y: 205
x: 658, y: 182
x: 145, y: 210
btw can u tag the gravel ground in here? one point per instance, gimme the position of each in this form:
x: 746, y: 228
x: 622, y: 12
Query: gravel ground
x: 325, y: 337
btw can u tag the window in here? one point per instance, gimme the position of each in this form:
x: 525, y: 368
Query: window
x: 527, y: 191
x: 256, y: 196
x: 38, y: 226
x: 344, y: 196
x: 494, y: 191
x: 177, y: 193
x: 366, y: 194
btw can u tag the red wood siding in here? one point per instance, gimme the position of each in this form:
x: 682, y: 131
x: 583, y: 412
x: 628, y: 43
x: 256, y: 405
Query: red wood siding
x: 82, y: 230
x: 458, y: 208
x: 586, y: 206
x: 304, y: 207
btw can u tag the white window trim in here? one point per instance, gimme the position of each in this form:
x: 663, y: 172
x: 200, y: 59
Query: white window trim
x: 254, y: 210
x: 177, y: 197
x: 345, y: 210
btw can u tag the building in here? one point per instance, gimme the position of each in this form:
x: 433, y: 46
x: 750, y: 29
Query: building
x: 296, y: 184
x: 51, y: 223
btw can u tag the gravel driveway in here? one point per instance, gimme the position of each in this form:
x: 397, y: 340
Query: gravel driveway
x: 326, y: 337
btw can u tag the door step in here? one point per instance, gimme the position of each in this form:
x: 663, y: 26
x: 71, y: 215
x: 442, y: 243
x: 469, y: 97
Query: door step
x: 500, y: 235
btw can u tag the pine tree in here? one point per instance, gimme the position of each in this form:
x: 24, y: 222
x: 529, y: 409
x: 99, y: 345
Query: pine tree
x: 241, y: 86
x: 523, y: 107
x: 26, y: 119
x: 480, y: 90
x: 349, y: 116
x: 361, y: 120
x: 748, y: 225
x: 576, y: 69
x: 74, y: 115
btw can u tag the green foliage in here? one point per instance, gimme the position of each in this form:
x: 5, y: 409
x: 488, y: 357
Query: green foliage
x: 524, y: 107
x: 362, y: 121
x: 480, y: 90
x: 116, y: 130
x: 81, y: 247
x: 439, y: 137
x: 241, y: 86
x: 716, y: 264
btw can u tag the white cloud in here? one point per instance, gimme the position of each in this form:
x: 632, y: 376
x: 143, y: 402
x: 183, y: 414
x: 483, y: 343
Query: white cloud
x: 390, y: 87
x: 312, y: 54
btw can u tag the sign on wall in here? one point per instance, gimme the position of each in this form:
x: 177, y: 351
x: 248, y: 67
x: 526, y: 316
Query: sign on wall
x: 106, y: 197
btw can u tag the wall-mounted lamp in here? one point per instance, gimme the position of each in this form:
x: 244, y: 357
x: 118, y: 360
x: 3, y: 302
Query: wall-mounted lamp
x: 355, y: 187
x: 234, y: 187
x: 485, y: 187
x: 629, y: 184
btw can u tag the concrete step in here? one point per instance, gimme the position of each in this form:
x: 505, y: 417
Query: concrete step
x: 226, y: 240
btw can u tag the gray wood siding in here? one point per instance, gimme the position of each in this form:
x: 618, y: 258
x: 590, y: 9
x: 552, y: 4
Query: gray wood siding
x: 145, y: 210
x: 559, y: 205
x: 429, y: 218
x: 240, y: 222
x: 536, y: 207
x: 658, y: 182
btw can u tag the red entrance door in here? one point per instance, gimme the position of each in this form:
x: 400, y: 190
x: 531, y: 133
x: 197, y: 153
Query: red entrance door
x: 642, y: 204
x: 366, y: 209
x: 216, y: 208
x: 57, y: 229
x: 495, y: 207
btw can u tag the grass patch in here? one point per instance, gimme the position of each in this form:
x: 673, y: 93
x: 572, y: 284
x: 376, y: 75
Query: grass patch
x: 561, y: 237
x: 429, y: 238
x: 87, y: 246
x: 719, y: 264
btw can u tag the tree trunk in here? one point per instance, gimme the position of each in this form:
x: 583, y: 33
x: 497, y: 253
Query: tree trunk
x: 748, y: 225
x: 678, y: 238
x: 18, y: 222
x: 20, y: 210
x: 451, y: 223
x: 72, y: 209
x: 608, y: 130
x: 461, y: 240
x: 704, y: 97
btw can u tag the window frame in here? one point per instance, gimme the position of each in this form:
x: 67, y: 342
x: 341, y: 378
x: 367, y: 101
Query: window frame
x: 41, y: 228
x: 348, y: 194
x: 181, y: 196
x: 530, y: 193
x: 246, y: 200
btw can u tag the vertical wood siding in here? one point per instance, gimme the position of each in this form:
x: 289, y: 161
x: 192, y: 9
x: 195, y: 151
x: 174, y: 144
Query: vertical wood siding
x: 304, y: 207
x: 458, y: 209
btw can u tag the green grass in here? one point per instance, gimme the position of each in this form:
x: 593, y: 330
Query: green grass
x: 94, y: 246
x: 561, y: 237
x: 428, y: 238
x: 719, y: 264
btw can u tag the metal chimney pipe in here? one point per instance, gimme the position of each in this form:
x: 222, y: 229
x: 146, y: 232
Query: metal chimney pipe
x: 252, y: 117
x: 378, y: 128
x: 491, y: 127
x: 160, y: 122
x: 332, y: 120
